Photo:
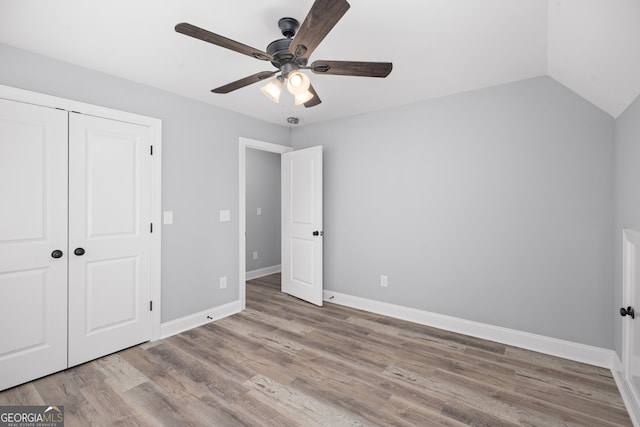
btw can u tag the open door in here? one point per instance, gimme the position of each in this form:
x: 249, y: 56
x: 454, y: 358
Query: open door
x: 302, y: 224
x: 630, y: 326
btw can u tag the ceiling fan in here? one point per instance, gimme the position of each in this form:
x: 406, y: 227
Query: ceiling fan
x: 291, y: 54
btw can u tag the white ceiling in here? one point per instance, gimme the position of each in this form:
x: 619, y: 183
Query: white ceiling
x: 438, y: 47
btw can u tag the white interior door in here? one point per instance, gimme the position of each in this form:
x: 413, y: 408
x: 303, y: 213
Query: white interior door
x: 302, y: 224
x: 631, y: 327
x: 33, y: 224
x: 109, y: 236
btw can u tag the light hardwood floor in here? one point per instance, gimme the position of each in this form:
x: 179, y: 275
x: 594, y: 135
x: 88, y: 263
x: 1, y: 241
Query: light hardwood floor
x: 285, y: 362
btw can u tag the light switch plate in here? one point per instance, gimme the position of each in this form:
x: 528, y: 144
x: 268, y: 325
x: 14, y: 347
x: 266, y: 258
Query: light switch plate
x: 168, y: 217
x: 259, y: 211
x: 225, y: 215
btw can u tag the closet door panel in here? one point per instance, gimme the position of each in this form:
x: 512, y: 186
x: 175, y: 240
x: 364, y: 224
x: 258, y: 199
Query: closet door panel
x: 109, y: 236
x: 33, y: 224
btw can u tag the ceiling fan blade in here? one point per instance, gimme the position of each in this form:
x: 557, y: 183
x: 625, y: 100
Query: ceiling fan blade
x: 207, y: 36
x: 313, y: 101
x: 244, y: 82
x: 322, y: 17
x: 352, y: 68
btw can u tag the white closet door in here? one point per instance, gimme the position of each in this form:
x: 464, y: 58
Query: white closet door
x: 109, y: 236
x: 33, y: 224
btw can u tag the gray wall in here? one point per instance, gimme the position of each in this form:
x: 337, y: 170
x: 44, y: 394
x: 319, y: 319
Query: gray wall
x: 627, y: 196
x: 199, y: 177
x: 494, y: 205
x: 262, y: 191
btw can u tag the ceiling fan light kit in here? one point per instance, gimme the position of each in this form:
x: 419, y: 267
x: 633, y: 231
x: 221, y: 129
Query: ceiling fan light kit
x: 298, y: 83
x: 291, y: 54
x: 273, y: 89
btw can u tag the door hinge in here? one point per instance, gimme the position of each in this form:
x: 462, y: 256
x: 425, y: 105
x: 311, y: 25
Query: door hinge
x: 151, y: 150
x: 151, y: 227
x: 150, y: 305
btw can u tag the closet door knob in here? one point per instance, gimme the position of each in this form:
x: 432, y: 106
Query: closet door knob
x: 56, y: 254
x: 79, y: 251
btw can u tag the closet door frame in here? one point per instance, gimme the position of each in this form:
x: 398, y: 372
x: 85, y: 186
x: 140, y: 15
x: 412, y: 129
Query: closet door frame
x: 155, y: 126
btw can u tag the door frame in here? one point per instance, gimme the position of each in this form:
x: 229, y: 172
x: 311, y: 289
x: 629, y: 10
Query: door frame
x: 629, y: 237
x: 248, y: 143
x: 155, y: 126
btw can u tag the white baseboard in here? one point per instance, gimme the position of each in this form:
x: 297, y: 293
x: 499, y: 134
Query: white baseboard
x: 566, y: 349
x: 260, y: 272
x: 198, y: 319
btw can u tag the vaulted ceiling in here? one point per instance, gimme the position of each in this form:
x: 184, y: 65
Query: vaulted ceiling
x: 438, y: 47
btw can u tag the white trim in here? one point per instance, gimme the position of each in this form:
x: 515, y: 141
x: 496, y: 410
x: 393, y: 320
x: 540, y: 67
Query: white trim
x: 156, y: 236
x: 155, y: 125
x: 242, y: 191
x: 261, y: 272
x: 28, y: 97
x: 627, y: 396
x: 191, y: 321
x: 566, y: 349
x: 630, y: 238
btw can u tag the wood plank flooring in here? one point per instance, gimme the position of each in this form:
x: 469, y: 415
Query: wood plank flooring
x: 283, y: 362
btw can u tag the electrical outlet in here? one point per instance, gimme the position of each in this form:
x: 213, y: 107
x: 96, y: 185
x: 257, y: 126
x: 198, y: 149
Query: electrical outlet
x: 255, y: 255
x: 383, y: 281
x: 259, y: 211
x: 223, y: 282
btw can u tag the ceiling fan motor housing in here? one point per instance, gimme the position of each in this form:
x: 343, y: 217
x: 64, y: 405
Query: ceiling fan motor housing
x: 279, y: 50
